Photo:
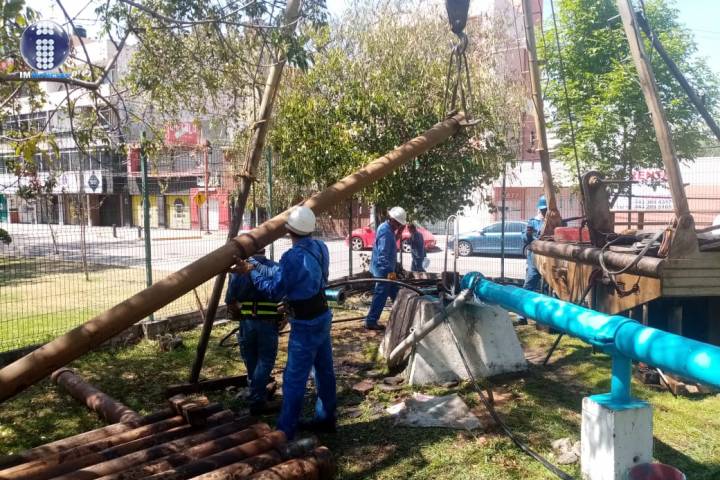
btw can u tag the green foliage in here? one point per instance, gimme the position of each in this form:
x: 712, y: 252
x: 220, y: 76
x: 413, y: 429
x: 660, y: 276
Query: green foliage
x: 614, y: 129
x: 5, y: 237
x: 377, y: 82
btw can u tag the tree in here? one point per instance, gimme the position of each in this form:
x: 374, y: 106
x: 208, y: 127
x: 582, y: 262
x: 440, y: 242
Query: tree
x: 614, y: 131
x: 377, y: 81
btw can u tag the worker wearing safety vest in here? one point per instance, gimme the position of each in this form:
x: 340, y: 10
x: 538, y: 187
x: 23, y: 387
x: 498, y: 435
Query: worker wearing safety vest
x: 300, y: 280
x: 383, y: 264
x: 258, y: 332
x: 532, y: 232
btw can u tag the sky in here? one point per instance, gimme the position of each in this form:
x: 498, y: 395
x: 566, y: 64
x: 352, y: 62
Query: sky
x: 700, y: 16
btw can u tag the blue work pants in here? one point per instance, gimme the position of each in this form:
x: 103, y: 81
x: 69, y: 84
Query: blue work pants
x: 532, y: 274
x: 380, y: 296
x: 417, y: 264
x: 309, y: 346
x: 258, y: 340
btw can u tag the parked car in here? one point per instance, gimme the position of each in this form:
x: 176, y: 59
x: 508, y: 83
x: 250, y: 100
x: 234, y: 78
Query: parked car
x: 364, y: 237
x: 487, y: 240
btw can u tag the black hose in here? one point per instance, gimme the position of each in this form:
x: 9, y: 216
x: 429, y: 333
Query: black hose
x: 493, y: 413
x: 376, y: 280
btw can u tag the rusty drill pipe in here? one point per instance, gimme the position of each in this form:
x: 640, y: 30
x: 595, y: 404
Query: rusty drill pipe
x: 141, y: 451
x: 99, y: 402
x: 57, y: 353
x: 646, y: 266
x: 318, y: 466
x: 30, y: 468
x: 192, y: 454
x: 67, y: 443
x: 246, y: 450
x: 245, y: 468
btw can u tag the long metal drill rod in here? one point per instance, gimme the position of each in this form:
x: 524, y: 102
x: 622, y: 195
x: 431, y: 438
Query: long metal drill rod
x: 257, y: 143
x: 36, y: 365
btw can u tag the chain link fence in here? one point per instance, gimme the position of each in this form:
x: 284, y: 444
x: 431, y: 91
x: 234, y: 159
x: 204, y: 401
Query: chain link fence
x: 76, y: 254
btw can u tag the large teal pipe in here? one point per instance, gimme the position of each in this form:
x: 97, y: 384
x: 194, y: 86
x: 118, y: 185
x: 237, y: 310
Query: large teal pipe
x: 615, y: 334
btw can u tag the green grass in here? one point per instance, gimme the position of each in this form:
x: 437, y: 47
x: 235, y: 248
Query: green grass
x: 540, y: 407
x: 41, y: 299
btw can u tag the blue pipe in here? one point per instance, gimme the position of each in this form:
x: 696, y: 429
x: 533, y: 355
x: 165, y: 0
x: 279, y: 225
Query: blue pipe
x: 623, y: 338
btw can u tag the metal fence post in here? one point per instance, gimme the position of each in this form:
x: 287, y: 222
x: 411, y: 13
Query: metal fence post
x: 350, y: 229
x: 146, y: 216
x: 268, y: 156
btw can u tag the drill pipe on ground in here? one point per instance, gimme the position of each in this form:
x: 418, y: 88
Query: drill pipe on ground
x: 27, y: 470
x: 319, y: 466
x: 63, y: 444
x: 192, y: 454
x: 247, y: 450
x: 248, y: 466
x: 128, y: 454
x: 99, y: 402
x: 57, y: 353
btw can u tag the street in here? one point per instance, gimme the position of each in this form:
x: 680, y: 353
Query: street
x: 172, y: 250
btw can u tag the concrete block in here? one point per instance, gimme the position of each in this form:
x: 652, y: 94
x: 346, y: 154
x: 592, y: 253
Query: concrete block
x: 615, y: 437
x: 487, y: 339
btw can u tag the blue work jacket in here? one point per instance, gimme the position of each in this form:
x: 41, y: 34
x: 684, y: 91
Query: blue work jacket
x: 384, y: 253
x: 302, y: 273
x: 241, y: 288
x: 537, y: 224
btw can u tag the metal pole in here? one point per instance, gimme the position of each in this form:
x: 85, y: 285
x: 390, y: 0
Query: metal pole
x: 502, y: 222
x: 672, y: 66
x: 146, y: 217
x: 257, y: 144
x: 268, y: 155
x: 657, y: 113
x: 350, y: 229
x: 207, y: 196
x: 552, y: 218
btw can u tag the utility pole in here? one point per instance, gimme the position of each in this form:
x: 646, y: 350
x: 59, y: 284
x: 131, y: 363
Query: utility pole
x: 268, y: 155
x: 552, y: 219
x: 257, y: 142
x: 146, y: 216
x: 207, y: 180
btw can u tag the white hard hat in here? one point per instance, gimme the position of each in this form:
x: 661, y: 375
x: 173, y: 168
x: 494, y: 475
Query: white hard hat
x: 301, y: 221
x: 398, y: 214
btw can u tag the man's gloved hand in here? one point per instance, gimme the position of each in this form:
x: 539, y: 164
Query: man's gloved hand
x: 392, y: 276
x: 242, y: 267
x: 233, y: 310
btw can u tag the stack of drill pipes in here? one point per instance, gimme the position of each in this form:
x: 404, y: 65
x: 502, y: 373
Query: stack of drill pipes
x: 318, y: 466
x: 137, y: 451
x: 27, y: 470
x: 67, y: 443
x: 101, y: 403
x: 248, y: 466
x: 192, y: 454
x: 246, y: 450
x: 615, y: 334
x: 57, y: 353
x: 423, y: 330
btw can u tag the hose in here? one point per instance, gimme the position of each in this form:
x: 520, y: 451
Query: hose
x: 376, y: 280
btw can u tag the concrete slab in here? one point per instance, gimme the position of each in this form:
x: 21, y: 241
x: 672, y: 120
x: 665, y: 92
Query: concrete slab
x: 487, y: 338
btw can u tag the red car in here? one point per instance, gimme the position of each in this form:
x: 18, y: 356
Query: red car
x: 364, y: 237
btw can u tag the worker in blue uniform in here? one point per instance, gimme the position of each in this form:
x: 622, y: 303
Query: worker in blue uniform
x: 417, y: 248
x: 383, y: 264
x: 532, y: 232
x: 300, y: 280
x: 257, y: 334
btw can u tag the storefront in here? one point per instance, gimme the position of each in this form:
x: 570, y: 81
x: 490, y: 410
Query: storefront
x: 177, y: 211
x: 211, y: 213
x: 137, y: 211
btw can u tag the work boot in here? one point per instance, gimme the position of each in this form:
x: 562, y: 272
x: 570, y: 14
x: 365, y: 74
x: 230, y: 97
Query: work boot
x: 318, y: 426
x: 375, y: 326
x: 521, y: 321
